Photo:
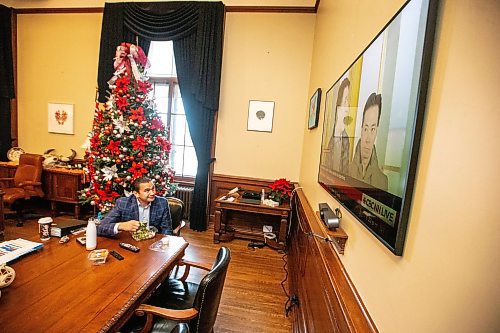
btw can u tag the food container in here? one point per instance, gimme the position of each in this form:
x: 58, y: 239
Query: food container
x: 98, y: 257
x: 144, y: 232
x: 161, y: 245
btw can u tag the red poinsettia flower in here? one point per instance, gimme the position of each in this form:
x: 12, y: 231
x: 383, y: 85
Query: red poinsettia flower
x: 164, y: 144
x: 114, y: 146
x: 281, y: 189
x: 157, y: 123
x: 143, y: 86
x: 139, y: 143
x: 137, y: 169
x: 122, y: 83
x: 137, y: 114
x: 121, y: 102
x: 108, y: 195
x: 94, y: 141
x: 99, y: 117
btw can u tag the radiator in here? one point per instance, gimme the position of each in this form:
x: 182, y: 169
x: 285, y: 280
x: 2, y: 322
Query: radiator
x: 186, y: 195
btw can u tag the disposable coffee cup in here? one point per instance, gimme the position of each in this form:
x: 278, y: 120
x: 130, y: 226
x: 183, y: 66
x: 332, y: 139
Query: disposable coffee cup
x: 44, y: 228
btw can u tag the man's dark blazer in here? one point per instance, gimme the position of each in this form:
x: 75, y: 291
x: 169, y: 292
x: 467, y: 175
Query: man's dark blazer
x: 127, y: 209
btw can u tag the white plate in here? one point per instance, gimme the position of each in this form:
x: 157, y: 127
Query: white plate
x: 14, y: 153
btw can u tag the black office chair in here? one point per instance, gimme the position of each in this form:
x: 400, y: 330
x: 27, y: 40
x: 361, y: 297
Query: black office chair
x: 177, y: 300
x: 181, y: 328
x: 176, y: 206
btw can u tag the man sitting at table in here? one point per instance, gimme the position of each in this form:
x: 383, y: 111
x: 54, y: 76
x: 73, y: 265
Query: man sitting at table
x: 143, y: 206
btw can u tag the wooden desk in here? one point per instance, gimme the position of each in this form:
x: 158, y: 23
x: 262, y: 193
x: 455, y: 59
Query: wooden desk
x: 57, y: 289
x: 242, y: 220
x: 59, y: 185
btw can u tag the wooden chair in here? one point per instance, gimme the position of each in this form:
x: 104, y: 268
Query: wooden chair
x: 27, y: 183
x: 177, y: 300
x: 176, y: 206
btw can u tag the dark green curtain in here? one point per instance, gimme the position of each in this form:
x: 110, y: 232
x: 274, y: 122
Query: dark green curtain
x: 6, y: 80
x: 196, y: 29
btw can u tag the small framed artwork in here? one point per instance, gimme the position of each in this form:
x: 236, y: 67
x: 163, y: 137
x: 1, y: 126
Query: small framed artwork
x: 61, y: 118
x: 260, y: 116
x: 314, y: 104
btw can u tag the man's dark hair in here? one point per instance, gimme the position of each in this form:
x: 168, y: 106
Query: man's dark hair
x: 373, y: 100
x: 136, y: 185
x: 345, y: 84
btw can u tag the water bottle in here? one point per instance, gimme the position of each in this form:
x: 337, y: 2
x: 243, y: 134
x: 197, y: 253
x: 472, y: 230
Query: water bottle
x: 262, y: 196
x: 91, y: 241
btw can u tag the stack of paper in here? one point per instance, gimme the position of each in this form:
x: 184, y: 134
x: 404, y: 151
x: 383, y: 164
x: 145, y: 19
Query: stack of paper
x: 13, y: 249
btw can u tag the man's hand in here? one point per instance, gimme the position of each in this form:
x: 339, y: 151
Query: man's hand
x: 131, y: 226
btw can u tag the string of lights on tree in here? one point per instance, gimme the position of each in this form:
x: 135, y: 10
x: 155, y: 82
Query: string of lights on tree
x: 128, y: 139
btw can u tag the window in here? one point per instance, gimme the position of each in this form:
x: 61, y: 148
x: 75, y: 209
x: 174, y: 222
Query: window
x: 163, y: 76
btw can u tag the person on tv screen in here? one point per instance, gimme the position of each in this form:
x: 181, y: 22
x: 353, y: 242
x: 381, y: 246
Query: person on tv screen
x: 364, y: 165
x: 339, y: 145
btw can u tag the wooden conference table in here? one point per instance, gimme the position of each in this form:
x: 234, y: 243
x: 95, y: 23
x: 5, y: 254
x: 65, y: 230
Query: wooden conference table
x: 57, y: 289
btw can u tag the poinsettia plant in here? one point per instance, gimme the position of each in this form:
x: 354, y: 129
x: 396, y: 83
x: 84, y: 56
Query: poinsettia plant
x: 281, y: 190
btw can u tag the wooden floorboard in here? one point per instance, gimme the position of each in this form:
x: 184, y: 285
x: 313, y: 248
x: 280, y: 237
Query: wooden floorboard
x: 253, y: 299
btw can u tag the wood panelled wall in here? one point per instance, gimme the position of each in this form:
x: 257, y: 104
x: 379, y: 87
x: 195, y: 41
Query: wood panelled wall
x: 327, y: 300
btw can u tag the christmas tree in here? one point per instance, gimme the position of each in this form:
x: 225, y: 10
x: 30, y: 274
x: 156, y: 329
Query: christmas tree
x: 128, y: 139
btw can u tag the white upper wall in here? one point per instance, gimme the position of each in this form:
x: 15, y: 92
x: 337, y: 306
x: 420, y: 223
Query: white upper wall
x: 266, y: 57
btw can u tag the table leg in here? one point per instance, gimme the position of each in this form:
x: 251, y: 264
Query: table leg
x: 77, y: 211
x: 217, y: 225
x: 283, y: 229
x: 53, y: 208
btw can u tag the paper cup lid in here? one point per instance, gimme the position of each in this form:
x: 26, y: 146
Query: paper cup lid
x: 44, y: 220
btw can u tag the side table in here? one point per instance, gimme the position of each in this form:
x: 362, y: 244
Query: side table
x: 242, y: 220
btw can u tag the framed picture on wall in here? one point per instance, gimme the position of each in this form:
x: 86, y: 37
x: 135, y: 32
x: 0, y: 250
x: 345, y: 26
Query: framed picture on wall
x: 60, y: 118
x: 260, y: 116
x: 373, y: 122
x: 314, y: 106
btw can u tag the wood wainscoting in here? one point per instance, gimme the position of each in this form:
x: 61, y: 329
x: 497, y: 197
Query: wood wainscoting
x: 327, y: 300
x: 221, y: 184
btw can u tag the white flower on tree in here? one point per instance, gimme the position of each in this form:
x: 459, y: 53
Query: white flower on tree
x: 121, y: 124
x: 109, y: 172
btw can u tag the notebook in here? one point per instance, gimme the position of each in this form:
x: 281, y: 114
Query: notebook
x: 13, y: 249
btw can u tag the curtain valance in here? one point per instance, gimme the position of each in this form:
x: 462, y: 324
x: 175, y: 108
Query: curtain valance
x: 202, y: 23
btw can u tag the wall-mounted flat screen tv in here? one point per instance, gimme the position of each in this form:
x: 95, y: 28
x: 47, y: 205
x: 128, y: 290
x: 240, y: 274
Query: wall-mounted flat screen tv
x: 373, y: 122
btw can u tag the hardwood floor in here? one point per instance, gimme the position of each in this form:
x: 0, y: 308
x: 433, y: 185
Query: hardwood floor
x: 252, y: 300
